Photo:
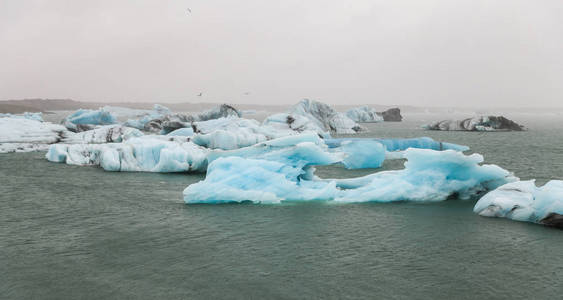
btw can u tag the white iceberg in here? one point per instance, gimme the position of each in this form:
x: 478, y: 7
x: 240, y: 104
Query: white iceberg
x: 103, y: 134
x: 20, y: 134
x: 159, y: 111
x: 37, y: 116
x: 364, y: 114
x: 233, y: 133
x: 325, y: 117
x: 86, y: 119
x: 162, y: 120
x: 142, y: 154
x: 220, y: 111
x: 524, y: 201
x: 428, y: 176
x: 295, y: 123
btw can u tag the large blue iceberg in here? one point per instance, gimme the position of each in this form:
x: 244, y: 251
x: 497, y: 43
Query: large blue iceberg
x: 524, y: 201
x: 428, y: 176
x: 86, y: 119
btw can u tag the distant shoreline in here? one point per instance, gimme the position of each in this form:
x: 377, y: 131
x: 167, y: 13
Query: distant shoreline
x: 46, y: 105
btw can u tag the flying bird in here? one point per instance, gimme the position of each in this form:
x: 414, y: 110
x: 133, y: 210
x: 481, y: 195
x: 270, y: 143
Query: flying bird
x: 189, y: 11
x: 247, y: 93
x: 200, y: 94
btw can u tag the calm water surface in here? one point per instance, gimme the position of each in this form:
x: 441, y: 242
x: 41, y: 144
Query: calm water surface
x: 80, y: 232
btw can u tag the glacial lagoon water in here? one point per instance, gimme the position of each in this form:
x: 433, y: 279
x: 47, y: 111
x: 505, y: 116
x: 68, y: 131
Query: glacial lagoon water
x: 79, y: 232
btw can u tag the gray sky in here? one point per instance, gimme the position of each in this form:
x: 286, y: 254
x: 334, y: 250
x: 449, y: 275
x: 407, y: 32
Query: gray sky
x: 414, y: 52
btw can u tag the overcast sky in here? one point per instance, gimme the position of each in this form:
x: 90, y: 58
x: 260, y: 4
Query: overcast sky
x: 410, y: 52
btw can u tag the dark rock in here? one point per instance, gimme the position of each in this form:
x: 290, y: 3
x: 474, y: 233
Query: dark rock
x: 392, y: 115
x: 482, y: 123
x: 553, y: 220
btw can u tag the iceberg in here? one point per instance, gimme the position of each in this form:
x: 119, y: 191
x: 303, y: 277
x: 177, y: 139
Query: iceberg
x: 325, y: 117
x: 295, y: 150
x: 20, y: 134
x: 139, y: 154
x: 38, y: 116
x: 164, y: 121
x: 481, y: 123
x: 221, y: 111
x: 364, y: 114
x: 295, y: 123
x: 232, y: 133
x: 86, y: 119
x: 524, y: 201
x: 402, y: 144
x: 158, y: 111
x: 428, y: 176
x: 103, y: 134
x: 236, y: 179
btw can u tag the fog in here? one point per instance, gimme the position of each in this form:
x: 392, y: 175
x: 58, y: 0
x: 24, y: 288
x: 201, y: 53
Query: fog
x: 394, y: 52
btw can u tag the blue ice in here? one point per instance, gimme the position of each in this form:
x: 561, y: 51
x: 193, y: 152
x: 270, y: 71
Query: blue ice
x: 428, y: 176
x: 89, y: 117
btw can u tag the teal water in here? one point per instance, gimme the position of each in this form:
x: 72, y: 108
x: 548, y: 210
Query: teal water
x: 79, y: 232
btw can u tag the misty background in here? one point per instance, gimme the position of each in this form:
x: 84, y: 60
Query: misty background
x: 465, y: 53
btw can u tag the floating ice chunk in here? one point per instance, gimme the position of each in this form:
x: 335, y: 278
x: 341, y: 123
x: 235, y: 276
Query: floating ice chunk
x: 221, y: 111
x: 524, y: 201
x: 84, y: 119
x: 403, y: 144
x: 428, y: 176
x: 37, y: 116
x: 223, y: 139
x: 161, y: 110
x: 481, y: 123
x: 296, y: 123
x: 57, y: 153
x: 302, y: 150
x: 325, y: 117
x: 158, y: 111
x: 143, y: 154
x: 364, y: 114
x: 103, y: 134
x: 233, y: 133
x: 236, y: 179
x: 19, y: 134
x: 164, y: 121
